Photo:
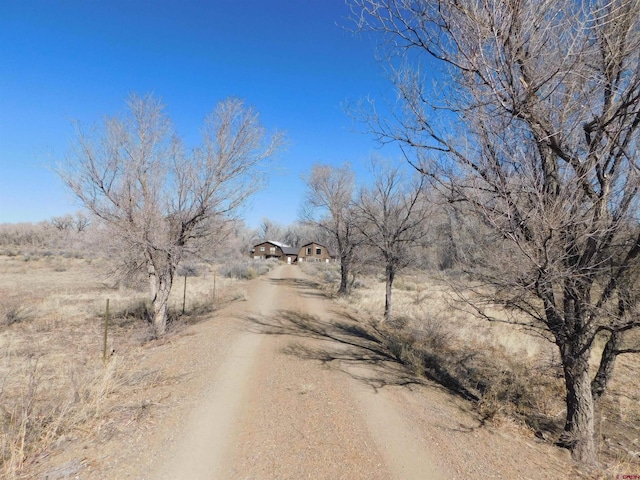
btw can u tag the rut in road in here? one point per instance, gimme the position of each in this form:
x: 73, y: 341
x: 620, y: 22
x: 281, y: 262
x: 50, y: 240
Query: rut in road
x: 268, y: 414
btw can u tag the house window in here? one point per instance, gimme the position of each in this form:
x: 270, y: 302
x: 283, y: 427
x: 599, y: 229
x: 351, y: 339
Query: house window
x: 318, y: 251
x: 272, y: 250
x: 308, y: 250
x: 262, y: 249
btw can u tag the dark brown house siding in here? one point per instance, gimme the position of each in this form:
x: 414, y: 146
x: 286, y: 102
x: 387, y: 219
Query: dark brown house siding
x: 314, y: 252
x: 270, y: 249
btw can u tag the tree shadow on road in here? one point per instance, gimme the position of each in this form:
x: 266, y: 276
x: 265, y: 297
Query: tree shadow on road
x: 306, y: 287
x: 356, y: 349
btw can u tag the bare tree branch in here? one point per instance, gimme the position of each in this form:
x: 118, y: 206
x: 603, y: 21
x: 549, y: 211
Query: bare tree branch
x: 532, y: 127
x: 160, y: 202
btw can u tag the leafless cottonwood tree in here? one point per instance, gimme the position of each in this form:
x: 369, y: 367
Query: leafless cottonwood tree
x: 532, y: 125
x: 63, y: 224
x: 392, y: 216
x: 81, y: 222
x: 270, y: 230
x: 159, y: 200
x: 78, y: 223
x: 39, y: 234
x: 295, y: 234
x: 328, y: 206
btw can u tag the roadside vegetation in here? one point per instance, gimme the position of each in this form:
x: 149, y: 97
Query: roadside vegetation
x: 530, y: 128
x: 512, y: 376
x: 55, y: 387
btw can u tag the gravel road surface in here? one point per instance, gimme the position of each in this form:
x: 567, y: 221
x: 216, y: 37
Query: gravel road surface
x: 286, y: 385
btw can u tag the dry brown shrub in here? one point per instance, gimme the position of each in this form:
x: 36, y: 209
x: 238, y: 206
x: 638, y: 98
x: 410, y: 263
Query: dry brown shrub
x: 36, y: 414
x: 511, y: 375
x: 54, y: 386
x: 15, y: 309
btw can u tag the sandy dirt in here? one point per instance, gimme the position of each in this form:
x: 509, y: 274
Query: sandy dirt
x: 287, y: 386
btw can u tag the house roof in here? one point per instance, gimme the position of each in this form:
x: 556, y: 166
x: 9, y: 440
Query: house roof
x: 273, y: 242
x: 286, y: 249
x: 279, y: 244
x: 313, y: 243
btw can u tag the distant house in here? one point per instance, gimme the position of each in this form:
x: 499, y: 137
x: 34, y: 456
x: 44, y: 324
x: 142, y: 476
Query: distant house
x: 314, y: 252
x: 271, y: 249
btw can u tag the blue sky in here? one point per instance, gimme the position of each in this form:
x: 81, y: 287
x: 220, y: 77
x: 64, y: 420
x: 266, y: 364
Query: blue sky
x: 79, y: 59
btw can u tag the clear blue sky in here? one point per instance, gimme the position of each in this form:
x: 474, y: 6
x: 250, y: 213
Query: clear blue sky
x: 79, y: 59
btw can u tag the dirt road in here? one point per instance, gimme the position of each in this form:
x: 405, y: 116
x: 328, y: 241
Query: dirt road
x: 273, y: 415
x: 287, y: 386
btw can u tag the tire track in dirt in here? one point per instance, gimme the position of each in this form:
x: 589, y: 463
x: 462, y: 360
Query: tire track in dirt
x: 405, y: 453
x: 298, y: 423
x: 307, y: 420
x: 270, y: 414
x: 203, y: 449
x: 204, y: 442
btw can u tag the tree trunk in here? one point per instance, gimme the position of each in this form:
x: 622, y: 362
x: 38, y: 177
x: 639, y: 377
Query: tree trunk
x: 610, y: 352
x: 352, y: 283
x: 578, y: 433
x: 389, y: 276
x: 160, y: 303
x: 344, y: 276
x: 607, y: 364
x: 160, y: 283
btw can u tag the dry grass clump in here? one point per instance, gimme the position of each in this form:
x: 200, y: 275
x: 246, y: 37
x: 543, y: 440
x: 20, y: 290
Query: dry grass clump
x: 484, y: 372
x: 53, y: 383
x: 14, y: 309
x: 619, y: 419
x: 42, y: 407
x: 327, y: 274
x: 511, y: 374
x: 54, y: 386
x: 243, y: 269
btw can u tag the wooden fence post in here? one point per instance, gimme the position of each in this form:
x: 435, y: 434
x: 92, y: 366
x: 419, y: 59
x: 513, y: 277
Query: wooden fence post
x: 214, y: 286
x: 184, y: 294
x: 106, y: 330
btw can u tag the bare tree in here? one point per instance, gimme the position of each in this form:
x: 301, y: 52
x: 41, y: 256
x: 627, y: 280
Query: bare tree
x: 392, y: 216
x: 64, y: 223
x: 27, y: 234
x: 533, y: 127
x: 270, y: 230
x: 158, y: 200
x: 81, y: 222
x: 296, y: 234
x: 328, y: 206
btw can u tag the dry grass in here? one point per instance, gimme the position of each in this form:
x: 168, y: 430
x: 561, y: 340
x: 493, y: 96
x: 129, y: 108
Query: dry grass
x: 54, y: 386
x: 511, y: 374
